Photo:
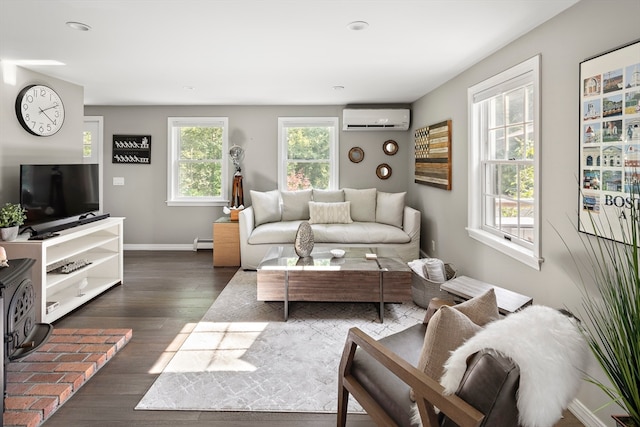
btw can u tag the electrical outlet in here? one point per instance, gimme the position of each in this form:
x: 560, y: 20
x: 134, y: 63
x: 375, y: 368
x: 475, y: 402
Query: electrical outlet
x: 118, y: 180
x: 433, y: 245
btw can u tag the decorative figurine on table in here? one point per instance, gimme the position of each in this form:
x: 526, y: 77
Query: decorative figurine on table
x: 236, y: 153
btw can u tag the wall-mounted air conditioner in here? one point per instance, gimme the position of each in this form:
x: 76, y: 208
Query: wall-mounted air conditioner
x: 376, y: 119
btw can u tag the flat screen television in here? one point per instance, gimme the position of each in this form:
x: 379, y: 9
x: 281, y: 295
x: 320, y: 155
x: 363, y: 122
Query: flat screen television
x: 59, y: 192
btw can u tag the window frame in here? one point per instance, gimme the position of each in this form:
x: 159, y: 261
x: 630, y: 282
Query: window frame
x: 172, y: 162
x: 334, y: 167
x: 526, y: 71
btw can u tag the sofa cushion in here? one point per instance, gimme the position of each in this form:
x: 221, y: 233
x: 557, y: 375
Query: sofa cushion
x: 329, y: 213
x: 357, y: 232
x: 328, y: 196
x: 295, y: 204
x: 266, y: 206
x: 275, y: 233
x: 363, y: 204
x: 390, y: 208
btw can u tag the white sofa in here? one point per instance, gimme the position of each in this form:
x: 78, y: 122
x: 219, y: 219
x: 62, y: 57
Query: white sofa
x: 339, y: 219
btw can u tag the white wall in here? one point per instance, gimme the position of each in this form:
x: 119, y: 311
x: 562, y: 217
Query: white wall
x: 142, y: 199
x: 587, y: 29
x: 18, y: 146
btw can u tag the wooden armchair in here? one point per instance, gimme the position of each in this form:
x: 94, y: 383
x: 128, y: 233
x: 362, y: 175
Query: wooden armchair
x: 428, y: 392
x: 521, y: 370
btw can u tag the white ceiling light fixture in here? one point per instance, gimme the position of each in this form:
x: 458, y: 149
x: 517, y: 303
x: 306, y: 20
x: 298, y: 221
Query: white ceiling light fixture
x: 358, y: 25
x: 338, y: 88
x: 79, y: 26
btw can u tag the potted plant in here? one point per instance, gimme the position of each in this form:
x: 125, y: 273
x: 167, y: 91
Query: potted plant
x: 12, y: 216
x: 612, y: 315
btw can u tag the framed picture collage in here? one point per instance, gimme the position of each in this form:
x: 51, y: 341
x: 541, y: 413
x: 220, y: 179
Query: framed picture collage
x: 609, y: 137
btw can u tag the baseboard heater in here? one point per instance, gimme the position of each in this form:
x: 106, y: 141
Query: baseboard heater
x: 197, y: 240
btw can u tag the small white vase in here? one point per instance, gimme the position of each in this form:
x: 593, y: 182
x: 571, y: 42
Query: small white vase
x: 9, y: 233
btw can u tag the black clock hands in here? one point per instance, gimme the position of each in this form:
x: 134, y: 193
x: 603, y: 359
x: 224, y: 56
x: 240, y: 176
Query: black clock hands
x: 43, y: 112
x: 49, y: 108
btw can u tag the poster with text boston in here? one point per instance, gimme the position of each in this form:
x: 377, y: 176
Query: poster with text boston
x: 609, y: 127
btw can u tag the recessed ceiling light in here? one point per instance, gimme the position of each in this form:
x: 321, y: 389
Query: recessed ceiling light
x: 78, y: 26
x: 358, y: 25
x: 338, y: 87
x: 188, y: 88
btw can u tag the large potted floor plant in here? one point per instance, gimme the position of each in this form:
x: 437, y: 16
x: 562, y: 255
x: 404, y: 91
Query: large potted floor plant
x: 612, y: 315
x: 12, y: 216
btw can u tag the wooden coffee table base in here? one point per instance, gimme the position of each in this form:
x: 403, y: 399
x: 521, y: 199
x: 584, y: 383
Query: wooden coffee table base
x: 334, y: 286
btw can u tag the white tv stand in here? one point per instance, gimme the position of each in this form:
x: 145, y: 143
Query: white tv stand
x: 98, y: 242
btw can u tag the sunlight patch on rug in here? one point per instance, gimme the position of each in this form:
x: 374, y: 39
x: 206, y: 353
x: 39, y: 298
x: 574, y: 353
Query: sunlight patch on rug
x: 242, y: 355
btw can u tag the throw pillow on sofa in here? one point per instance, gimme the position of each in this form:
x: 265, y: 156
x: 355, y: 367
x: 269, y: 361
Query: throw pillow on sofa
x: 295, y: 205
x: 328, y: 196
x: 363, y: 203
x: 329, y: 213
x: 390, y: 208
x: 266, y: 206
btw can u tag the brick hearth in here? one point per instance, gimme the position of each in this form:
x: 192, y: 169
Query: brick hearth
x: 44, y: 380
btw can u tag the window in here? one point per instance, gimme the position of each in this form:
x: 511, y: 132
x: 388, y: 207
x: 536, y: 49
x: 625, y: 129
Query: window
x: 92, y: 140
x: 307, y: 153
x: 504, y: 154
x: 197, y: 161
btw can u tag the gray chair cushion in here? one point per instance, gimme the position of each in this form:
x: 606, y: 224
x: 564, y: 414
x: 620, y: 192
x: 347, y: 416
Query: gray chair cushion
x: 387, y: 389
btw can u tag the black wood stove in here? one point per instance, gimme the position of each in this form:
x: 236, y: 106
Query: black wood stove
x: 22, y: 335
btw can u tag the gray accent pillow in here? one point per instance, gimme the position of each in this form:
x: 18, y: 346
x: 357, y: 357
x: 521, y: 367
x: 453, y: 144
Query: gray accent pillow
x: 390, y: 208
x: 328, y: 196
x: 363, y: 204
x: 266, y: 206
x: 295, y: 204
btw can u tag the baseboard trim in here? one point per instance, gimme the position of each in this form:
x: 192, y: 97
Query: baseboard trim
x: 584, y: 415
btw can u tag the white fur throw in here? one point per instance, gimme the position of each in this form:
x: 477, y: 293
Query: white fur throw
x: 550, y: 351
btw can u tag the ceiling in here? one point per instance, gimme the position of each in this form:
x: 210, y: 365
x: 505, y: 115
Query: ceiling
x: 261, y: 52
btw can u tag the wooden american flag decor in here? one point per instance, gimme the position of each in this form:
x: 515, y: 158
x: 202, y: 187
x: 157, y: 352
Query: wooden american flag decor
x: 433, y: 155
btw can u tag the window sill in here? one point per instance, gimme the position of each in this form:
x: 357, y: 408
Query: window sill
x: 511, y: 249
x: 197, y: 203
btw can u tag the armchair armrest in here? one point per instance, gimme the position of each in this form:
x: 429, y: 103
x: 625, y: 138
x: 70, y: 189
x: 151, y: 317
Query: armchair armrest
x: 428, y: 392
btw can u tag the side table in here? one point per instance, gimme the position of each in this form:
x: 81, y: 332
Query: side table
x: 464, y: 288
x: 226, y: 243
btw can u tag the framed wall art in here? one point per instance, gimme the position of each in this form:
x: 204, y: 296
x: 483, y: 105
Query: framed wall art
x: 433, y: 155
x: 131, y: 149
x: 609, y: 126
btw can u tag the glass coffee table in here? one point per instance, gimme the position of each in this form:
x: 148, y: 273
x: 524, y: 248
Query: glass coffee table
x: 363, y: 274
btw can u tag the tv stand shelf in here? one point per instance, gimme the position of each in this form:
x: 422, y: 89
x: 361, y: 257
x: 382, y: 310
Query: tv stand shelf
x: 99, y: 243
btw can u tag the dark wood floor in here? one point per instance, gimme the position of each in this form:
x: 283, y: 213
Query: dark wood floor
x: 163, y: 294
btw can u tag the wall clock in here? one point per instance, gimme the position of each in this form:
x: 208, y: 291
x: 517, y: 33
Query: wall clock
x: 40, y: 110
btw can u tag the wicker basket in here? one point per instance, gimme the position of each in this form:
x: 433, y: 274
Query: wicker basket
x: 422, y: 290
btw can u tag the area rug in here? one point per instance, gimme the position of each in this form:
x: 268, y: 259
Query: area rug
x: 243, y: 356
